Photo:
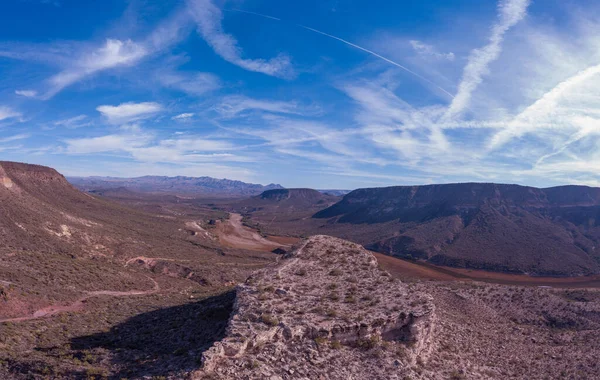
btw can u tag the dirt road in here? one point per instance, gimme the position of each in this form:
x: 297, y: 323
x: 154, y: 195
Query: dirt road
x: 78, y: 305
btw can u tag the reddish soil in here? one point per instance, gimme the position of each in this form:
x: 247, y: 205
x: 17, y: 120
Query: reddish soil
x: 419, y: 270
x: 284, y: 240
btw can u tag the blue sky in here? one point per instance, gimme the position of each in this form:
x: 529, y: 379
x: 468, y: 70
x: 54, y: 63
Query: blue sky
x: 324, y: 94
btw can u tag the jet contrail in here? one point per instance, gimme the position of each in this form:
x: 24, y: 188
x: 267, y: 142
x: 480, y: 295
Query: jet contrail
x: 378, y: 56
x: 354, y: 46
x: 252, y: 13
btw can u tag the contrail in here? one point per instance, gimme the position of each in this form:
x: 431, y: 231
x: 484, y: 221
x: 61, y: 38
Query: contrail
x: 252, y: 13
x: 354, y: 46
x: 378, y: 56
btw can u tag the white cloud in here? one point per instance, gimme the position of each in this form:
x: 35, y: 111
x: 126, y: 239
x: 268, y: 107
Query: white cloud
x: 190, y: 83
x: 108, y: 143
x: 145, y: 147
x: 547, y: 112
x: 21, y: 136
x: 183, y: 116
x: 78, y: 61
x: 127, y: 112
x: 510, y: 13
x: 74, y: 122
x: 209, y: 19
x: 8, y: 113
x: 26, y: 93
x: 429, y: 51
x: 170, y: 31
x: 234, y: 105
x: 113, y: 53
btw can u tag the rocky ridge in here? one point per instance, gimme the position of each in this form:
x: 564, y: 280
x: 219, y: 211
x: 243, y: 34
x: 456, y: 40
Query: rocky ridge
x: 325, y: 311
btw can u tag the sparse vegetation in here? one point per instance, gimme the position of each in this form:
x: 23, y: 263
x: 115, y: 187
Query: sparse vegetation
x: 269, y: 319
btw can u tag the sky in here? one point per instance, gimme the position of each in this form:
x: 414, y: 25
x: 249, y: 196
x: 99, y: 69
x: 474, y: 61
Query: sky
x: 337, y: 94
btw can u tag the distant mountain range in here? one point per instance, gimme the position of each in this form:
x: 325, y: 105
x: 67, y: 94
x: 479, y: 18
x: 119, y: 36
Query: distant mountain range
x: 553, y: 231
x: 173, y: 185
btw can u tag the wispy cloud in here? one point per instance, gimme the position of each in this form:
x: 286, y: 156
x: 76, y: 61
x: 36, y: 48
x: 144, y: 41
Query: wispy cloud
x: 8, y: 113
x: 183, y: 116
x: 194, y: 83
x: 234, y: 105
x: 128, y: 112
x: 78, y: 61
x: 108, y: 143
x: 145, y: 146
x: 546, y: 111
x: 510, y: 12
x: 21, y: 136
x: 112, y: 54
x: 209, y: 19
x: 78, y: 121
x: 27, y: 93
x: 428, y: 51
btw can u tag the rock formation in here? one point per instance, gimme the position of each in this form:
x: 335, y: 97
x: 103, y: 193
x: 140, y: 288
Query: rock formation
x: 325, y: 311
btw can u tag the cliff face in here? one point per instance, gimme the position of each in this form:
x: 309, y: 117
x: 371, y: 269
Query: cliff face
x: 325, y: 309
x: 477, y: 225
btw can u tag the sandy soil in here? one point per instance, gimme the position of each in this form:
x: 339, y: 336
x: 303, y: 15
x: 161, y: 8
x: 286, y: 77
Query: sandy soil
x: 232, y: 233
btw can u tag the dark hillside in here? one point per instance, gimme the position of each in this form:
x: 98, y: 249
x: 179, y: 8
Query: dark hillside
x: 480, y: 225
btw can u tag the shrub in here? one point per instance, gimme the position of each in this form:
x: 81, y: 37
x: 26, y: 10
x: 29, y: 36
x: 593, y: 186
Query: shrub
x: 320, y: 341
x: 369, y: 343
x: 268, y: 319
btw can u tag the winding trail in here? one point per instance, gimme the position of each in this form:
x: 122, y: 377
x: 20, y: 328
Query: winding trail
x: 78, y: 305
x: 231, y: 233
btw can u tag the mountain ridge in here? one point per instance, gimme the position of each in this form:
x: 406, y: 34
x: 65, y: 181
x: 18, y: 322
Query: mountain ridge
x: 176, y: 184
x: 509, y: 228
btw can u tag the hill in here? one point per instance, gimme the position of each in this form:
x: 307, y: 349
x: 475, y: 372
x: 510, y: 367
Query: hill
x: 282, y: 211
x: 498, y: 227
x: 173, y: 185
x: 72, y: 264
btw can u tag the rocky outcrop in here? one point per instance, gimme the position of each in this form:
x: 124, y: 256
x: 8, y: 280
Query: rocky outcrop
x: 325, y: 311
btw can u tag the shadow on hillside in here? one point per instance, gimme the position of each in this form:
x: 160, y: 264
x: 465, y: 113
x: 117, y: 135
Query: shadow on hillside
x: 164, y: 341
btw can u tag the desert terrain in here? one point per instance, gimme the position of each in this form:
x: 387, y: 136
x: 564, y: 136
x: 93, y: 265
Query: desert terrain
x: 121, y: 284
